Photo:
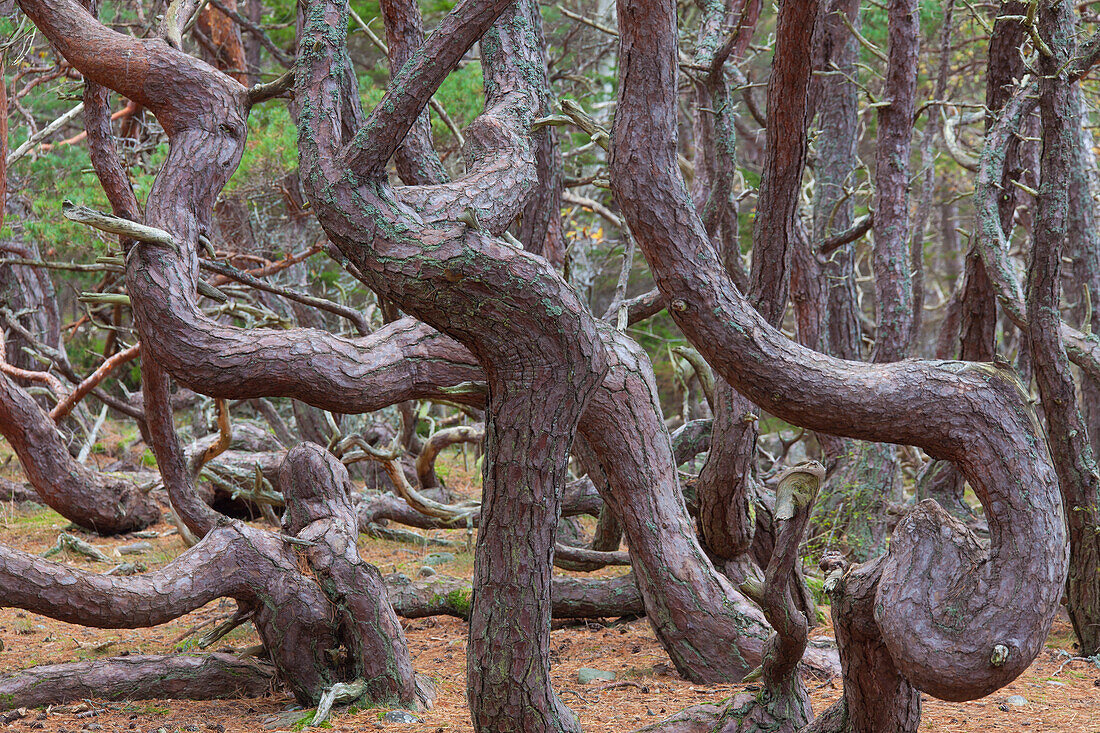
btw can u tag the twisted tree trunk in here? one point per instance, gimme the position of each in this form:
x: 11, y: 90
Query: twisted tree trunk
x: 97, y: 501
x: 400, y: 361
x: 973, y: 415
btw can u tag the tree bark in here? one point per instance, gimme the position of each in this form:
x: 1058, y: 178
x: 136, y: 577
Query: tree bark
x: 675, y: 576
x: 877, y: 697
x: 541, y: 369
x: 97, y: 501
x: 1083, y: 249
x: 893, y: 280
x: 783, y: 704
x: 572, y: 597
x: 974, y: 415
x: 417, y: 162
x: 139, y: 677
x: 1068, y: 434
x: 227, y: 51
x: 319, y: 510
x: 725, y: 485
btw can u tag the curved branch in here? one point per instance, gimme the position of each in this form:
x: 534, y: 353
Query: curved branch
x: 93, y: 380
x: 88, y: 498
x: 974, y: 415
x: 414, y: 85
x: 416, y: 160
x: 425, y: 462
x: 849, y: 235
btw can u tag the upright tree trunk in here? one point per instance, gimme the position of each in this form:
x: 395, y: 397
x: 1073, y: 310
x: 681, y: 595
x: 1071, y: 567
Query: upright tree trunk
x: 725, y: 485
x: 870, y: 479
x: 540, y: 229
x: 1070, y: 448
x: 977, y: 318
x: 1082, y: 278
x: 893, y: 279
x: 833, y: 208
x: 226, y: 51
x: 542, y: 366
x: 877, y: 697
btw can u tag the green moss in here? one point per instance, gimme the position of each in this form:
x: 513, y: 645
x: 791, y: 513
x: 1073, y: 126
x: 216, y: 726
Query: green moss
x: 460, y: 600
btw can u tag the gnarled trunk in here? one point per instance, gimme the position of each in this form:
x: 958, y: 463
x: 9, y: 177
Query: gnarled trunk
x: 974, y: 415
x: 97, y: 501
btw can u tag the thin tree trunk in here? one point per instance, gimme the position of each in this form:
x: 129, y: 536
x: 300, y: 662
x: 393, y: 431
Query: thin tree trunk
x: 1082, y: 286
x: 871, y: 477
x: 1070, y: 448
x: 783, y: 705
x: 893, y: 279
x: 725, y: 485
x: 417, y: 162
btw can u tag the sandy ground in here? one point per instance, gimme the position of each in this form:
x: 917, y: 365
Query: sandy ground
x: 1060, y: 696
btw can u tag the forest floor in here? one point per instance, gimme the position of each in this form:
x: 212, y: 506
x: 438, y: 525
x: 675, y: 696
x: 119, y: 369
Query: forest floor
x: 1058, y: 694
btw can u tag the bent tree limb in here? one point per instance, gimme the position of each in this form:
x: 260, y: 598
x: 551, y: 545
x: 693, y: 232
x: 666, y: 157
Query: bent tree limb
x: 311, y: 647
x: 974, y: 415
x: 203, y: 113
x: 541, y: 369
x: 94, y: 500
x: 783, y: 704
x: 709, y: 629
x: 256, y: 568
x: 728, y: 477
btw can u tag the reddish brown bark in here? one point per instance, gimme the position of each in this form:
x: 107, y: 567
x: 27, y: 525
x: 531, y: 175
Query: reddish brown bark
x: 726, y: 483
x: 525, y: 363
x: 225, y: 38
x: 319, y: 510
x: 973, y: 415
x: 91, y: 499
x: 1068, y: 433
x: 416, y: 160
x: 138, y: 677
x: 783, y: 704
x: 832, y: 319
x: 677, y: 580
x: 540, y: 228
x: 893, y: 279
x: 713, y: 123
x: 789, y: 115
x: 93, y: 380
x: 877, y: 697
x: 3, y: 141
